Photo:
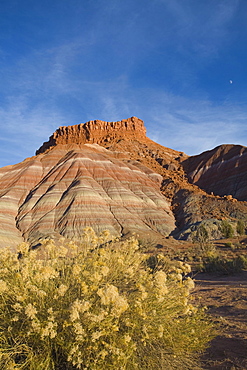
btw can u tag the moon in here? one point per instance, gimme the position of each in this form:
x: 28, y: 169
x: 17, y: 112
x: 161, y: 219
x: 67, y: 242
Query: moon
x: 230, y: 81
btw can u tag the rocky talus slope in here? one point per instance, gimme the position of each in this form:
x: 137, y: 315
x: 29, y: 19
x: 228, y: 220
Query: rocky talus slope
x: 109, y: 175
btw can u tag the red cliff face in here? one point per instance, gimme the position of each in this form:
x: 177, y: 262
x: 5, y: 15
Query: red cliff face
x: 99, y: 132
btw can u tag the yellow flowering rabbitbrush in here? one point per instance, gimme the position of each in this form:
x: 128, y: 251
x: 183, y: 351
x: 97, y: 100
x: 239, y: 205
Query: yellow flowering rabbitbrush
x: 97, y: 305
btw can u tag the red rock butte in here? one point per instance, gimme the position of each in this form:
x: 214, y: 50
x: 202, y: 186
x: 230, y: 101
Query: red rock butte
x: 98, y: 132
x: 110, y: 175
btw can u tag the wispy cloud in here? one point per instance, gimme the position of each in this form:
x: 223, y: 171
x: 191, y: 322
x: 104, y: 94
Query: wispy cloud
x: 23, y: 129
x: 196, y: 127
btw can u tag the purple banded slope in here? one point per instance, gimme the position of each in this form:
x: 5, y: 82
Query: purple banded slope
x: 222, y: 171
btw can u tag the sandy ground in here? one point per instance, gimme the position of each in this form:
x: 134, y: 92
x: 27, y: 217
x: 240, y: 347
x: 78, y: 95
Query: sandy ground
x: 226, y: 299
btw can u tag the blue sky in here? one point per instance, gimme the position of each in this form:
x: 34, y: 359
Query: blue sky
x: 180, y: 65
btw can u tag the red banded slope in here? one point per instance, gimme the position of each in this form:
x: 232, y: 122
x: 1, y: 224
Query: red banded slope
x: 89, y: 187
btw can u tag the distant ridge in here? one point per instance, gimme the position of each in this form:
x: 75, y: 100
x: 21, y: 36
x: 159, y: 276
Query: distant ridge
x: 222, y: 170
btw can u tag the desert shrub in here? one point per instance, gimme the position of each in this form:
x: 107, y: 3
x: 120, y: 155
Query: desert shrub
x: 229, y: 245
x: 160, y: 262
x: 242, y: 260
x: 96, y: 305
x: 201, y: 235
x: 202, y: 245
x: 240, y: 227
x: 225, y: 266
x: 227, y: 229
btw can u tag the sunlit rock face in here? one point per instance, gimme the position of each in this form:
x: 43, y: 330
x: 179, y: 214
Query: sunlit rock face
x: 72, y: 184
x: 98, y: 132
x: 222, y: 171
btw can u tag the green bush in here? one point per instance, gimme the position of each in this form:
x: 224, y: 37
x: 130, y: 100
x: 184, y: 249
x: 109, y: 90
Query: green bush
x: 227, y: 229
x: 94, y: 306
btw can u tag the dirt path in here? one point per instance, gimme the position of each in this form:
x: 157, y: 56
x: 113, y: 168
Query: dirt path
x: 226, y: 299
